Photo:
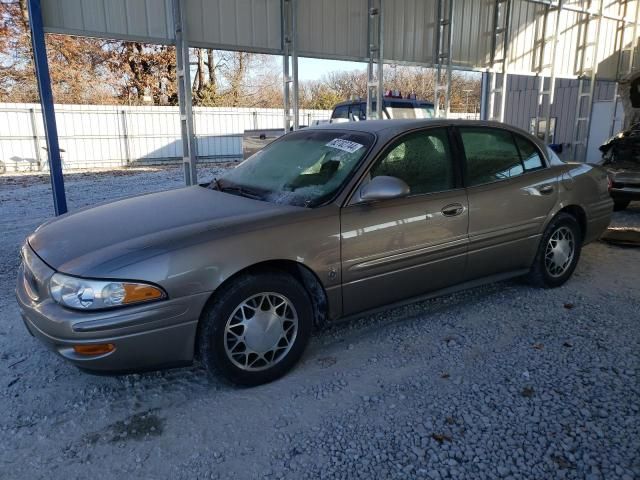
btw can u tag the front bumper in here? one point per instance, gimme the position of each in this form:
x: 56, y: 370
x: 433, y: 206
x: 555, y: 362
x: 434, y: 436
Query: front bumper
x: 148, y: 336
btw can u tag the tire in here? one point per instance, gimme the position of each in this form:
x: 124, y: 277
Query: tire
x: 551, y: 269
x: 619, y: 205
x: 228, y: 339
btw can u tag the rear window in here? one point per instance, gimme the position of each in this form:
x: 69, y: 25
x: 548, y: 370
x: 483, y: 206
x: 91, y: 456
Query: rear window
x: 341, y: 112
x: 408, y: 110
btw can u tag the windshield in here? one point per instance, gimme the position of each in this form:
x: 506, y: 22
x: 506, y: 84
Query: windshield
x: 304, y: 168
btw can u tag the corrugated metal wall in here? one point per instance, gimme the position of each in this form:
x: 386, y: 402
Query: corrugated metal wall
x: 235, y: 24
x: 333, y: 28
x: 410, y: 30
x: 149, y: 20
x: 338, y: 29
x: 472, y: 26
x: 523, y: 97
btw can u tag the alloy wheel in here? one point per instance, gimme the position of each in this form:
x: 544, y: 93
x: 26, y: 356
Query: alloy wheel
x: 260, y: 331
x: 559, y: 252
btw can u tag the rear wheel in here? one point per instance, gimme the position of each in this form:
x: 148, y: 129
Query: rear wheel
x: 558, y: 252
x: 619, y: 205
x: 256, y: 329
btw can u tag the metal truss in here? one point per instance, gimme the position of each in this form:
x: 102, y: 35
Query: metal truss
x: 547, y: 71
x: 588, y: 66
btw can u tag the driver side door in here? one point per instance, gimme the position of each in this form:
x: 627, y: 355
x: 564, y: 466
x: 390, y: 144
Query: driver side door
x: 404, y: 247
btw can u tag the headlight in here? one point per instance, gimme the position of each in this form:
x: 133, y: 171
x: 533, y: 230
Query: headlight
x: 85, y: 294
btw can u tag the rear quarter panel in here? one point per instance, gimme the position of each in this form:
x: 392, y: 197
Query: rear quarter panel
x: 585, y: 186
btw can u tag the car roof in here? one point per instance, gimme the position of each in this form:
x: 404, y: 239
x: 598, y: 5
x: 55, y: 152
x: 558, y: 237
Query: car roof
x: 386, y: 129
x: 376, y: 126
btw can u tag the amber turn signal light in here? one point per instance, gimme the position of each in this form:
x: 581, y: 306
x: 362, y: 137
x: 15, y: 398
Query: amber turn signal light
x: 96, y: 349
x: 135, y: 292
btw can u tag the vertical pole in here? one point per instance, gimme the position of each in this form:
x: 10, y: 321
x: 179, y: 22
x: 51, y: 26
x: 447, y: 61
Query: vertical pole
x: 380, y: 72
x: 484, y: 95
x: 375, y: 80
x: 125, y: 136
x: 294, y: 64
x: 505, y: 60
x: 48, y: 111
x: 189, y: 156
x: 286, y: 47
x: 447, y: 98
x: 36, y: 140
x: 552, y: 76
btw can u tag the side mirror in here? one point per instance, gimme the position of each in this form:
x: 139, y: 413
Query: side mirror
x: 384, y: 188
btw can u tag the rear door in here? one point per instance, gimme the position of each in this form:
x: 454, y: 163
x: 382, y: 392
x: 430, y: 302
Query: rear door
x: 511, y: 192
x: 404, y: 247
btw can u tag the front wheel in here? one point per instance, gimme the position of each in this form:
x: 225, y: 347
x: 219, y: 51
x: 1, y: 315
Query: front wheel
x: 558, y: 253
x: 256, y: 328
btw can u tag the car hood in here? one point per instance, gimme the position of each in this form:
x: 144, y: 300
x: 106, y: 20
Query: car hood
x: 143, y: 226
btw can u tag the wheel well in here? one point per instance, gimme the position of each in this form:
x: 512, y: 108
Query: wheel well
x: 578, y: 213
x: 301, y: 273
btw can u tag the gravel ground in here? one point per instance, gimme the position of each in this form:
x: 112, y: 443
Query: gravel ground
x: 502, y: 381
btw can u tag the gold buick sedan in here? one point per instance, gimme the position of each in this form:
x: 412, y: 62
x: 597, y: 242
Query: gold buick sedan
x: 323, y: 223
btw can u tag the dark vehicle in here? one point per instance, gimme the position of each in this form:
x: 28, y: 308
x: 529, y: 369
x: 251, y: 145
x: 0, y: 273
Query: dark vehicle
x: 325, y: 222
x: 393, y: 107
x: 621, y: 158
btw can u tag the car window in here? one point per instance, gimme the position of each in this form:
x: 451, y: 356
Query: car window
x: 491, y: 155
x: 422, y: 160
x: 341, y: 112
x: 358, y: 111
x: 529, y: 153
x: 553, y: 157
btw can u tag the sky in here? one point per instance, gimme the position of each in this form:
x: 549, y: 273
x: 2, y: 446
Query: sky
x: 314, y: 69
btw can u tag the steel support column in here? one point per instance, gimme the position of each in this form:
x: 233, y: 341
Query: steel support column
x: 485, y: 87
x: 294, y: 64
x: 189, y: 155
x: 287, y: 14
x: 46, y: 101
x: 546, y: 96
x: 375, y: 68
x: 584, y: 105
x: 442, y: 57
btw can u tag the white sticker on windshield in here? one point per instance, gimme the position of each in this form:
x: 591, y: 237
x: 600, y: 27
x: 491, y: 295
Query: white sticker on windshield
x: 344, y: 145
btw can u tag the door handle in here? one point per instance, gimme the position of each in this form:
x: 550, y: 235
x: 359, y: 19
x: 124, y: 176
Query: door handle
x: 546, y: 189
x: 452, y: 210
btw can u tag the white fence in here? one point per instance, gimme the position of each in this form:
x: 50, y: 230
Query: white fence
x: 96, y: 136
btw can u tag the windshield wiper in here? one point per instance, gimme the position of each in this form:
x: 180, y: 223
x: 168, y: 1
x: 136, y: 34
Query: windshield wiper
x: 242, y: 191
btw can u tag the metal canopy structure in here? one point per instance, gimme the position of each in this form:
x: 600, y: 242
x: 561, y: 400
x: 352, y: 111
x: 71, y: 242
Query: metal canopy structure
x: 585, y: 39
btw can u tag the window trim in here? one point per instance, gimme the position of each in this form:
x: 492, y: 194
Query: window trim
x: 463, y: 153
x: 454, y: 149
